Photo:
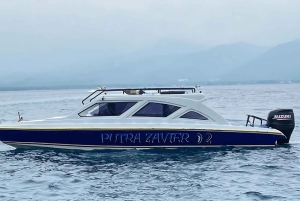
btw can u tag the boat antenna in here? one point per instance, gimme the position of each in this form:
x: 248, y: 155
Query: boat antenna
x: 20, y: 118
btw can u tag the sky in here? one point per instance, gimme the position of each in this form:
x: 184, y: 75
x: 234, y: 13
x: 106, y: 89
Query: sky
x: 44, y: 31
x: 134, y: 23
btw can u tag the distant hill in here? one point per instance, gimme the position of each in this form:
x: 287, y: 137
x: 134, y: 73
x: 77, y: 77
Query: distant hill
x: 83, y: 65
x: 279, y: 63
x: 198, y: 66
x: 212, y: 63
x: 165, y: 48
x: 162, y: 63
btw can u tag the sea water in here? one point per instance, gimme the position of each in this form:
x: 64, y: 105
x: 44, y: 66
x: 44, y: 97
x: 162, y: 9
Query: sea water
x: 163, y: 174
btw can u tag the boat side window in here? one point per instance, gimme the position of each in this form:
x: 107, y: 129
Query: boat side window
x: 156, y: 110
x: 194, y: 115
x: 107, y: 109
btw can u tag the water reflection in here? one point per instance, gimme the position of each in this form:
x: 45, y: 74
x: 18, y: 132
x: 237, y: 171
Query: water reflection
x: 106, y: 156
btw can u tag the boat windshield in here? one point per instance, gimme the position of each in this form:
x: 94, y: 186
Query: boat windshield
x: 107, y: 109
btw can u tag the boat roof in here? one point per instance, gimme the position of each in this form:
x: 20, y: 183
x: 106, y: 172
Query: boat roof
x: 171, y: 91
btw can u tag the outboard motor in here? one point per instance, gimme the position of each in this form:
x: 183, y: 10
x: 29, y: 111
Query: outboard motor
x: 284, y: 121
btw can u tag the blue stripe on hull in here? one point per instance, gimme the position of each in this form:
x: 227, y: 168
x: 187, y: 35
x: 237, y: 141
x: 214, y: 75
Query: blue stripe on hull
x: 134, y: 138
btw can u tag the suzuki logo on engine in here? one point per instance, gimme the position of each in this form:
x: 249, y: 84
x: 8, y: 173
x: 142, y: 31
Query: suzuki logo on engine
x: 282, y: 117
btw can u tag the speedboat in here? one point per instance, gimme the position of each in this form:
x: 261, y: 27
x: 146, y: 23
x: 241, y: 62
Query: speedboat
x: 157, y: 117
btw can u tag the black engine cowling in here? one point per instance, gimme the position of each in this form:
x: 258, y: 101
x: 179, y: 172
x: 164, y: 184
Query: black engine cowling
x: 284, y: 121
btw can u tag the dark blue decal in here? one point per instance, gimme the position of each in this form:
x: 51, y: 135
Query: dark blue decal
x: 204, y: 138
x: 151, y: 138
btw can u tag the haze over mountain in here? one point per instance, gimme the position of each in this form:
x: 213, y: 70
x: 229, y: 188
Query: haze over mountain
x: 280, y: 63
x: 237, y: 62
x: 155, y: 65
x: 88, y: 66
x: 165, y: 47
x: 210, y: 64
x: 198, y: 66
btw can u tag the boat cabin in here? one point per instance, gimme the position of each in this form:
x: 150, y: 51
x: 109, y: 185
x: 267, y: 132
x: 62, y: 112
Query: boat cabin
x: 159, y: 104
